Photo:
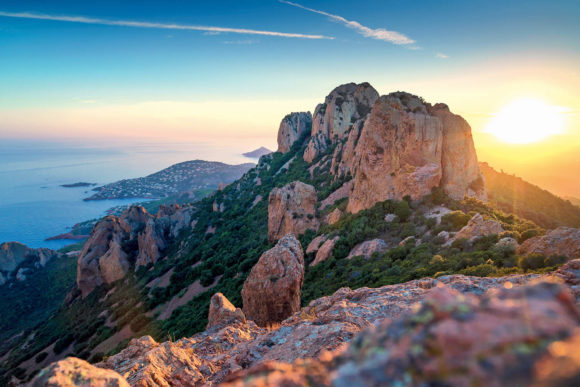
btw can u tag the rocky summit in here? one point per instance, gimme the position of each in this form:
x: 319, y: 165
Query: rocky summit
x: 17, y: 259
x: 394, y: 145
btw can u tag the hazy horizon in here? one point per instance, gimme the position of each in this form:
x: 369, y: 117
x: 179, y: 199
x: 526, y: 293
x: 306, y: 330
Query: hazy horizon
x: 227, y: 72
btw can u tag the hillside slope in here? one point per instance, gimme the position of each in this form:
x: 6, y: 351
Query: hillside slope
x: 514, y: 195
x: 183, y: 177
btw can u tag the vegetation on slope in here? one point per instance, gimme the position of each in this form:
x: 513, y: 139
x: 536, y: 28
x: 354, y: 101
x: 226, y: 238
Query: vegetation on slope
x: 514, y: 195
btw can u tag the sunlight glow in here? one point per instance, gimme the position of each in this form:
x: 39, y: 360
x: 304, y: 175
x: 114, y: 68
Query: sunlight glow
x: 525, y: 121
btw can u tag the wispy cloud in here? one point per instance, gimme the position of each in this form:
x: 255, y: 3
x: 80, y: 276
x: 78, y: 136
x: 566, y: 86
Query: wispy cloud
x: 140, y: 24
x: 441, y: 56
x: 374, y: 33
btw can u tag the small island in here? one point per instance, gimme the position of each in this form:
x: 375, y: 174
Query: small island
x: 257, y: 153
x: 79, y: 184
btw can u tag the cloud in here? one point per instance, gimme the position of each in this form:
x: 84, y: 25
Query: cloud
x: 138, y: 24
x: 441, y: 56
x: 376, y: 33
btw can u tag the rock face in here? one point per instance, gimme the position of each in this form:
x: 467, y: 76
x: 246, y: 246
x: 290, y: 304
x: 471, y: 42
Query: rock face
x: 222, y: 312
x: 503, y: 324
x: 324, y: 252
x: 367, y: 248
x: 72, y: 372
x: 103, y: 244
x: 291, y: 210
x: 315, y: 244
x: 342, y: 107
x: 13, y: 254
x: 292, y: 128
x: 334, y: 216
x: 271, y: 293
x: 108, y: 253
x: 477, y: 227
x: 561, y: 241
x: 407, y: 147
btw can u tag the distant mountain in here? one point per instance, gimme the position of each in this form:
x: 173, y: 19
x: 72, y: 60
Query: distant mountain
x: 257, y: 153
x: 178, y: 178
x: 512, y: 194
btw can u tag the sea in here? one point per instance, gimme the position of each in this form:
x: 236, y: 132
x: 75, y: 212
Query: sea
x: 35, y: 206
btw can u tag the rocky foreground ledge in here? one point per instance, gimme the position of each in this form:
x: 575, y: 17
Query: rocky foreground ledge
x: 454, y: 330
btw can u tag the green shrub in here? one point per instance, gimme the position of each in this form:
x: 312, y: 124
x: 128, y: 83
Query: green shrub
x: 41, y: 356
x: 555, y: 260
x: 531, y: 261
x: 529, y: 234
x: 454, y: 220
x: 402, y: 210
x: 483, y: 270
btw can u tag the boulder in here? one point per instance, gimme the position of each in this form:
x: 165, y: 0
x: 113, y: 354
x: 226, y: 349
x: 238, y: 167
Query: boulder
x: 367, y: 248
x: 333, y: 217
x: 166, y: 364
x: 72, y: 372
x: 315, y: 244
x: 271, y: 292
x: 324, y: 252
x: 292, y: 128
x: 561, y: 241
x: 507, y: 242
x: 223, y: 312
x: 477, y: 227
x: 291, y: 210
x: 390, y: 217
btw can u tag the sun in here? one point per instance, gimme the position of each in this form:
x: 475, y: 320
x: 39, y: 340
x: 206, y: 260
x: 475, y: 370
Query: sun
x: 525, y: 121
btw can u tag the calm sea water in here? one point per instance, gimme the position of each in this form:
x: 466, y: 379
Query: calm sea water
x: 34, y: 206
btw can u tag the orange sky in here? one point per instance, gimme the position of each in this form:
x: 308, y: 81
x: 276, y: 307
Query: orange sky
x: 476, y: 92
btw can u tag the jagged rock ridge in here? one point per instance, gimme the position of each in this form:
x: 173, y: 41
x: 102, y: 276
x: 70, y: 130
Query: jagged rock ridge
x: 105, y: 257
x: 394, y: 145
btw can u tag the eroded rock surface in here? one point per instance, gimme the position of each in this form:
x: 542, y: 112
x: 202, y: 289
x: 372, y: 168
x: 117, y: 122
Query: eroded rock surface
x: 325, y: 251
x: 292, y: 128
x: 73, y: 372
x: 13, y: 254
x: 271, y: 293
x: 466, y: 331
x: 477, y: 227
x: 561, y: 241
x: 107, y: 255
x: 367, y: 248
x: 467, y: 322
x: 222, y: 312
x: 407, y: 147
x: 291, y: 210
x: 341, y: 109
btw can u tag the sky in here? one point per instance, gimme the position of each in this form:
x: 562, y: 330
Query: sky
x: 229, y: 71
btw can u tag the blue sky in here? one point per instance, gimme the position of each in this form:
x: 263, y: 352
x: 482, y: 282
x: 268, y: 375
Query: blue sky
x: 118, y: 76
x: 47, y: 62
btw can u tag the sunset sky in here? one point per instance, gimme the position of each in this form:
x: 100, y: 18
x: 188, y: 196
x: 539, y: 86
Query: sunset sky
x: 230, y: 70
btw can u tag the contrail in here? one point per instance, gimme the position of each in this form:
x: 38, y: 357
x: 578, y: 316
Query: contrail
x: 138, y: 24
x: 374, y: 33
